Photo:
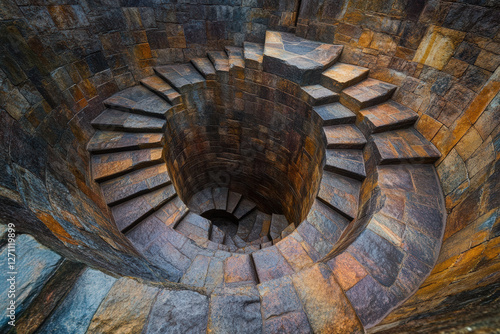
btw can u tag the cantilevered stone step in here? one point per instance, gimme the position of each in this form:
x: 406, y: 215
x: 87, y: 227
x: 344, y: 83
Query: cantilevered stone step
x: 220, y: 198
x: 340, y: 76
x: 139, y: 100
x: 135, y: 183
x: 299, y: 60
x: 366, y: 94
x: 270, y: 264
x: 346, y: 162
x: 335, y: 114
x: 316, y: 95
x: 158, y: 86
x: 232, y: 201
x: 110, y: 141
x: 115, y: 120
x: 246, y: 224
x: 386, y: 116
x: 109, y: 165
x: 327, y: 221
x: 240, y: 243
x: 403, y: 146
x: 344, y: 136
x: 341, y: 193
x: 202, y: 201
x: 230, y: 243
x: 244, y: 207
x: 235, y: 55
x: 260, y: 228
x: 254, y: 54
x: 183, y: 77
x: 132, y: 211
x: 193, y: 224
x: 171, y: 213
x: 217, y: 235
x: 220, y: 60
x: 205, y: 67
x: 278, y: 224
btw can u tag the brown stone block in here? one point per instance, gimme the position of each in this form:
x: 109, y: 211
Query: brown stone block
x: 239, y: 269
x: 347, y: 270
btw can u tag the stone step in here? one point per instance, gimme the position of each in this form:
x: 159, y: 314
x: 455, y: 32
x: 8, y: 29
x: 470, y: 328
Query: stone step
x: 344, y: 136
x: 270, y: 264
x: 403, y: 146
x: 131, y: 212
x: 287, y: 231
x: 335, y: 114
x: 111, y: 141
x: 260, y: 228
x: 230, y: 243
x: 278, y: 224
x: 239, y: 242
x: 172, y: 212
x: 346, y: 162
x: 233, y: 199
x: 296, y: 59
x: 386, y: 116
x: 236, y: 58
x: 194, y: 225
x: 220, y: 60
x: 239, y: 270
x: 135, y: 183
x: 254, y: 54
x: 220, y: 198
x: 202, y: 201
x: 316, y: 95
x: 244, y: 207
x: 217, y: 235
x: 158, y: 86
x: 246, y: 224
x: 327, y: 221
x: 340, y: 76
x: 139, y: 100
x: 110, y: 165
x: 116, y: 120
x: 366, y: 94
x: 205, y: 67
x: 341, y: 193
x: 183, y: 77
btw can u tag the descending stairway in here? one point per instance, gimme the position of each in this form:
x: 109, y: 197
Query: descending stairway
x: 369, y: 240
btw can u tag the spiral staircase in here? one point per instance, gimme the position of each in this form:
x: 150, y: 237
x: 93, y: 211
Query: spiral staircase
x: 371, y: 236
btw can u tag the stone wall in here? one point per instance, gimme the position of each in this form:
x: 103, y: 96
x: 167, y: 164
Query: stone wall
x: 444, y: 56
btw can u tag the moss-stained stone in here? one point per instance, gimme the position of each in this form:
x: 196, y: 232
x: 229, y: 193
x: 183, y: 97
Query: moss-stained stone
x: 438, y: 46
x: 125, y: 308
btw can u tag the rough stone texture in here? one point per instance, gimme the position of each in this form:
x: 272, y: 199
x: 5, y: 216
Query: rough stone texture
x: 75, y: 313
x: 125, y: 308
x: 178, y: 312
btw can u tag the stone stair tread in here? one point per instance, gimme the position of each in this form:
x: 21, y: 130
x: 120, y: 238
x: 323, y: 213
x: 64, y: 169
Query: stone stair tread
x: 346, y: 162
x: 182, y: 77
x: 109, y: 165
x: 219, y: 60
x: 405, y: 145
x: 202, y: 201
x: 243, y: 208
x: 389, y: 115
x: 135, y: 183
x: 278, y: 224
x: 245, y: 225
x: 335, y: 114
x: 140, y: 100
x: 232, y: 201
x: 261, y: 219
x: 240, y: 243
x: 344, y: 136
x: 128, y: 213
x: 205, y: 67
x: 171, y: 213
x: 340, y: 192
x: 220, y: 198
x: 341, y: 76
x: 317, y: 95
x: 116, y: 120
x: 193, y: 224
x: 270, y: 264
x: 367, y: 93
x: 112, y: 141
x: 296, y: 59
x: 327, y: 221
x: 254, y: 54
x: 236, y: 58
x: 162, y: 88
x: 217, y: 235
x: 229, y: 242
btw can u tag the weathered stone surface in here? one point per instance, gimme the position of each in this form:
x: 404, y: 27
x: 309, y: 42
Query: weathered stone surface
x: 316, y: 95
x: 278, y: 224
x: 115, y: 120
x: 270, y: 264
x: 235, y: 310
x: 180, y: 311
x: 346, y: 162
x: 367, y: 93
x: 184, y: 77
x: 344, y: 136
x: 75, y: 313
x: 324, y: 302
x: 294, y: 253
x: 34, y: 264
x: 335, y: 114
x: 160, y: 87
x: 341, y: 76
x: 239, y: 269
x: 340, y: 192
x: 386, y: 116
x: 253, y: 54
x: 205, y: 67
x: 110, y: 141
x: 125, y: 308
